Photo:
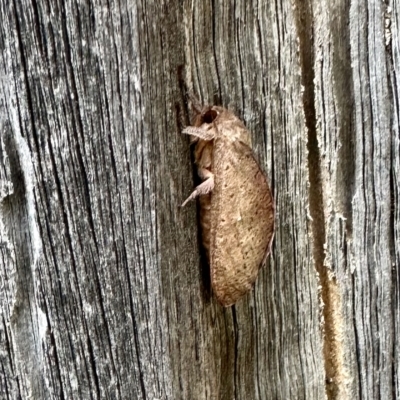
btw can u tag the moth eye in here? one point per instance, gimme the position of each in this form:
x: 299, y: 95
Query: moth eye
x: 210, y: 116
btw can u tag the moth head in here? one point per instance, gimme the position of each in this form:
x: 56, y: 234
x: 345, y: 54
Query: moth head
x: 220, y: 122
x: 208, y: 115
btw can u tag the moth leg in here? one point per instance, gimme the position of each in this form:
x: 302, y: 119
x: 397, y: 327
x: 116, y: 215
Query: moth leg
x: 199, y: 133
x: 205, y: 187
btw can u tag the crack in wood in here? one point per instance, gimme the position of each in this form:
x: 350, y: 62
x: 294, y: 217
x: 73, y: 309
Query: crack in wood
x: 330, y: 298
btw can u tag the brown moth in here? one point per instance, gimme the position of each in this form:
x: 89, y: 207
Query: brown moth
x: 236, y: 205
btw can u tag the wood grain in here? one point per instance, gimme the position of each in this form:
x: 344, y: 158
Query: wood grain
x: 103, y: 293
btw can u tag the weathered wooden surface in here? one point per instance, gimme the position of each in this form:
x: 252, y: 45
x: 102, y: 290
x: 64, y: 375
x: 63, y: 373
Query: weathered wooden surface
x: 357, y: 48
x: 103, y: 293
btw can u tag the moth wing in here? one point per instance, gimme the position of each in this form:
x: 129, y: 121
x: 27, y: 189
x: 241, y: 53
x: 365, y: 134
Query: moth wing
x: 242, y: 220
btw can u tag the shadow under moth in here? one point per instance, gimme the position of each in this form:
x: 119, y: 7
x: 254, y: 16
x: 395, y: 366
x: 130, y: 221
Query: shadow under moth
x: 236, y: 205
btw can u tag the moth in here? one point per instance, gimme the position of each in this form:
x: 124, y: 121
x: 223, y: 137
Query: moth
x: 236, y: 205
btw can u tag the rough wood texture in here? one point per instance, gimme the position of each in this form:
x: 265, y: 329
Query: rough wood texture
x: 358, y: 135
x: 103, y: 293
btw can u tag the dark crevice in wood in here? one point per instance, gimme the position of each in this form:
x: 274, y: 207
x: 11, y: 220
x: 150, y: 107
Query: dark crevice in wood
x: 37, y: 25
x: 11, y: 371
x: 358, y: 345
x: 215, y: 9
x: 272, y: 180
x: 235, y: 366
x: 93, y: 363
x: 394, y: 207
x: 344, y: 102
x: 8, y: 347
x: 241, y: 74
x: 134, y: 326
x: 137, y: 348
x: 107, y: 339
x: 196, y: 67
x: 297, y: 306
x: 394, y: 202
x: 4, y: 389
x: 329, y: 294
x: 278, y: 45
x: 56, y: 362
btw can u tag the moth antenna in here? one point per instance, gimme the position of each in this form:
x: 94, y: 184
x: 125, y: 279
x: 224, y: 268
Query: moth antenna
x: 199, y: 133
